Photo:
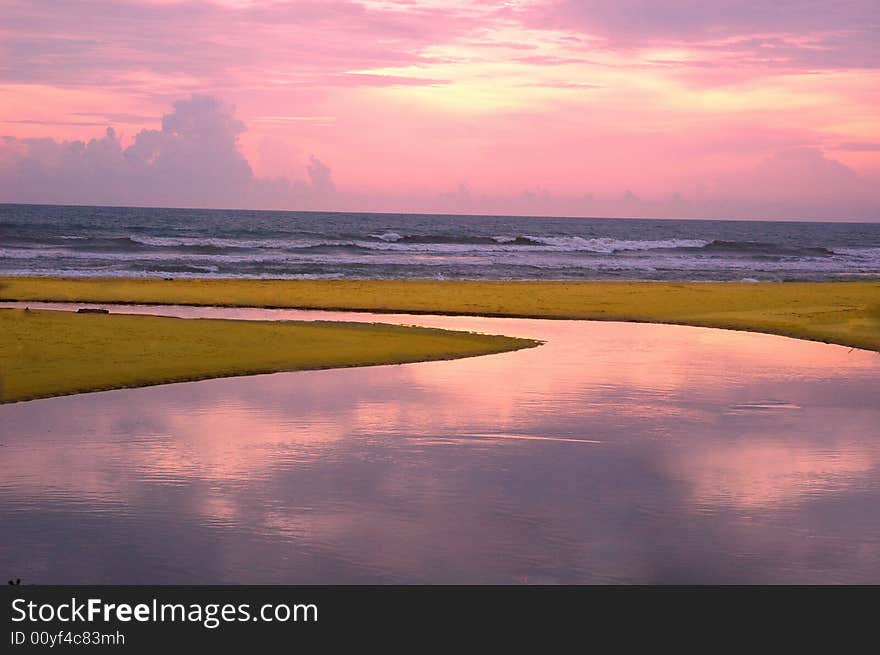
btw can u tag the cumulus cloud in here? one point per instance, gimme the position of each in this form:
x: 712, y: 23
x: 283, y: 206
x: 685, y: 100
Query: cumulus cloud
x: 194, y: 156
x: 194, y: 159
x: 320, y: 176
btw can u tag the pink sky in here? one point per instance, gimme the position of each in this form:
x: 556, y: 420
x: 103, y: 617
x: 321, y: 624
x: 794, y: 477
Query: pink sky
x: 738, y: 109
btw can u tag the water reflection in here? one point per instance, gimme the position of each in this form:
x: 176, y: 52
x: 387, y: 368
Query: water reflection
x: 614, y: 453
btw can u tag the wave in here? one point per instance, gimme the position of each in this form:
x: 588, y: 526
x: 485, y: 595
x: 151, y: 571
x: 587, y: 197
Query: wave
x: 73, y: 242
x: 608, y: 245
x: 394, y: 237
x: 257, y: 262
x: 279, y: 244
x: 395, y: 244
x: 215, y: 242
x: 603, y: 245
x: 388, y: 241
x: 556, y: 243
x: 757, y: 247
x: 181, y: 268
x: 388, y: 236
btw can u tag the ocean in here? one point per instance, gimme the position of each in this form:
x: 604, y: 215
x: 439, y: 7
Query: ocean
x: 150, y: 242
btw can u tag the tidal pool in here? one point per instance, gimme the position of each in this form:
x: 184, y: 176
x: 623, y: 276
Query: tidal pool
x: 614, y: 453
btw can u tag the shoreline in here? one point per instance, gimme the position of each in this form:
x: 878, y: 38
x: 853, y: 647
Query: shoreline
x: 843, y: 313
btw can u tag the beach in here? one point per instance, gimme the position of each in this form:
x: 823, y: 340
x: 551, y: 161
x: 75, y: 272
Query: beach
x: 845, y: 313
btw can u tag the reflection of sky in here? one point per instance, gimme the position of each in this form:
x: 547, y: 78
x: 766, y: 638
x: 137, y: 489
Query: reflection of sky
x: 615, y: 452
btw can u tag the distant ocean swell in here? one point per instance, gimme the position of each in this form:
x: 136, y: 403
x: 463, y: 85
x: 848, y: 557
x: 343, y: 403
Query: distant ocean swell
x: 144, y: 242
x: 421, y: 243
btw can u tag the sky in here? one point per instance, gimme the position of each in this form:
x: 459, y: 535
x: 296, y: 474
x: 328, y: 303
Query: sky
x: 665, y: 108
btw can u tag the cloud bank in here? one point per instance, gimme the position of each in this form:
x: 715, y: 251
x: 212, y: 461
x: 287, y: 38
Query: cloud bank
x: 533, y: 106
x: 195, y: 160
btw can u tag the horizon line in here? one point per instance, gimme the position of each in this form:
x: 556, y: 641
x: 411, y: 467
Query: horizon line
x: 462, y: 215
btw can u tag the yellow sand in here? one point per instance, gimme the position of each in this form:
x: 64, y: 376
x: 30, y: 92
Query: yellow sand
x: 48, y: 353
x: 846, y: 313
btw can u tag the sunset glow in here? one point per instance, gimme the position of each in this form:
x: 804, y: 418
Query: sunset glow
x: 671, y: 108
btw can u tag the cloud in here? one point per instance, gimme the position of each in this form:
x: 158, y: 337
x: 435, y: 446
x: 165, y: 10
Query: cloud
x: 859, y: 146
x: 693, y: 20
x: 793, y: 183
x: 120, y: 43
x: 194, y: 156
x: 806, y: 170
x: 194, y: 159
x: 369, y: 79
x: 117, y: 117
x: 28, y: 121
x: 797, y: 182
x: 319, y: 174
x: 742, y: 33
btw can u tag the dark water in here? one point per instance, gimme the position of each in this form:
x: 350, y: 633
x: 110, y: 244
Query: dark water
x: 52, y: 240
x: 614, y: 453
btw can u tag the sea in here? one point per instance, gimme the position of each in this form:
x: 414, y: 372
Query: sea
x: 51, y: 240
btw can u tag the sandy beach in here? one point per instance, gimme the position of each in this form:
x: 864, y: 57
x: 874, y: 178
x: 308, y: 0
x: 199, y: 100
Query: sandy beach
x: 101, y: 352
x: 845, y: 313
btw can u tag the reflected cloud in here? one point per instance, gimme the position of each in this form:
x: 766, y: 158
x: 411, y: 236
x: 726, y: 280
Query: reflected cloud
x: 766, y: 474
x: 616, y: 452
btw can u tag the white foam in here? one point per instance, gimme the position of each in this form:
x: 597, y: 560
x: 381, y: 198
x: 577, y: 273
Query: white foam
x: 171, y: 242
x: 388, y: 236
x: 608, y: 245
